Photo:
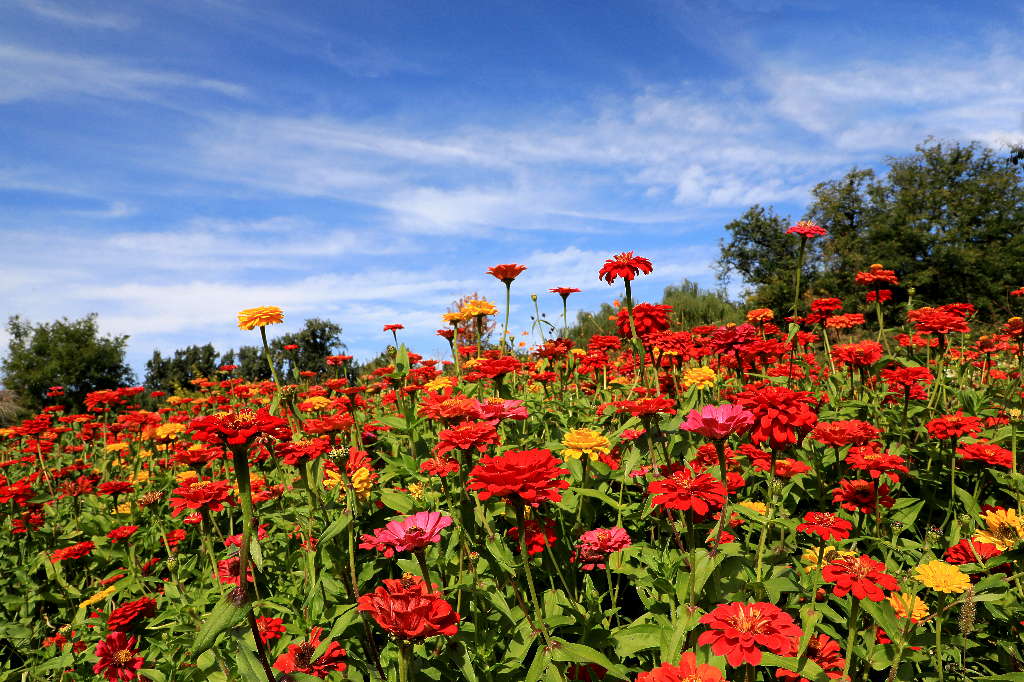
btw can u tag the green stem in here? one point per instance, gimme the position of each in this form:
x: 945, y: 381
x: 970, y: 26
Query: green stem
x: 851, y: 636
x: 508, y: 301
x: 525, y: 557
x: 270, y: 362
x: 796, y: 283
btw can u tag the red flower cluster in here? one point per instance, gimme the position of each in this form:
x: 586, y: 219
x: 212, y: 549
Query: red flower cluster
x: 524, y: 476
x: 409, y: 610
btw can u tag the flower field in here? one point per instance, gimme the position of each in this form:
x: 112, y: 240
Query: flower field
x: 825, y: 496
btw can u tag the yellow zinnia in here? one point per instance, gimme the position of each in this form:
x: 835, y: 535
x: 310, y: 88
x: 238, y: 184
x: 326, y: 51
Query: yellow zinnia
x: 170, y: 430
x: 98, y: 597
x: 810, y: 556
x: 901, y: 604
x: 362, y: 483
x: 478, y: 306
x: 1004, y: 529
x: 759, y: 507
x: 250, y: 318
x: 943, y: 577
x: 579, y: 442
x: 701, y: 377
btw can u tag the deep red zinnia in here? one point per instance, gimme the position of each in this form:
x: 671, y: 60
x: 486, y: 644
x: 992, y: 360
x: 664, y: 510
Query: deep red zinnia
x: 525, y: 476
x: 410, y: 610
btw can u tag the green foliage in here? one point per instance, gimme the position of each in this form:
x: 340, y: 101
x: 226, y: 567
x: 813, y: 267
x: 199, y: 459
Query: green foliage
x: 946, y: 218
x: 174, y: 373
x: 68, y: 353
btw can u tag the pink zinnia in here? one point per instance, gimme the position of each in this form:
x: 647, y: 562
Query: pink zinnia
x: 411, y: 533
x: 595, y: 545
x: 717, y: 422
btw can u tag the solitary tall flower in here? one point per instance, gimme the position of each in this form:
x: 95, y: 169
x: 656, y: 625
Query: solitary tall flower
x: 250, y: 318
x: 624, y: 265
x: 807, y: 230
x: 506, y: 273
x: 742, y: 632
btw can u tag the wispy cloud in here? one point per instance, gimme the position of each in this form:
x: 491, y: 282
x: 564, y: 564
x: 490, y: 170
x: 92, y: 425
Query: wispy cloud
x: 74, y: 15
x: 26, y: 73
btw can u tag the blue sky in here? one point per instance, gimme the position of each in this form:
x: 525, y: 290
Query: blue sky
x: 167, y: 164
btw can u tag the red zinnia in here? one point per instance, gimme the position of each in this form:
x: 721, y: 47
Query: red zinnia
x: 128, y: 615
x: 537, y: 536
x: 781, y: 415
x: 805, y: 228
x: 118, y: 657
x: 648, y: 318
x: 410, y: 610
x: 526, y: 476
x: 121, y: 533
x: 825, y: 525
x: 739, y: 631
x: 299, y: 657
x: 238, y: 428
x: 269, y: 628
x: 970, y: 551
x: 195, y: 494
x: 953, y: 426
x: 824, y: 651
x: 76, y: 551
x: 937, y: 321
x: 564, y: 291
x: 862, y: 575
x: 861, y: 496
x: 682, y: 490
x: 686, y: 671
x: 624, y: 265
x: 467, y: 436
x: 849, y: 432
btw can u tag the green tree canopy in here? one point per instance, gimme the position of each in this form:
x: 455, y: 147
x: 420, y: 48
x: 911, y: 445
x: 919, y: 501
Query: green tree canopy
x: 174, y: 373
x: 67, y: 353
x: 949, y: 219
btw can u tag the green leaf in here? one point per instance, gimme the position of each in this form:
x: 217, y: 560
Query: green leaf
x: 225, y: 615
x: 337, y: 525
x: 400, y: 502
x: 637, y: 637
x: 598, y: 495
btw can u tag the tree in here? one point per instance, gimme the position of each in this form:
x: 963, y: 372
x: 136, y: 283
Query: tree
x: 175, y: 373
x: 316, y: 340
x: 67, y: 353
x: 946, y: 218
